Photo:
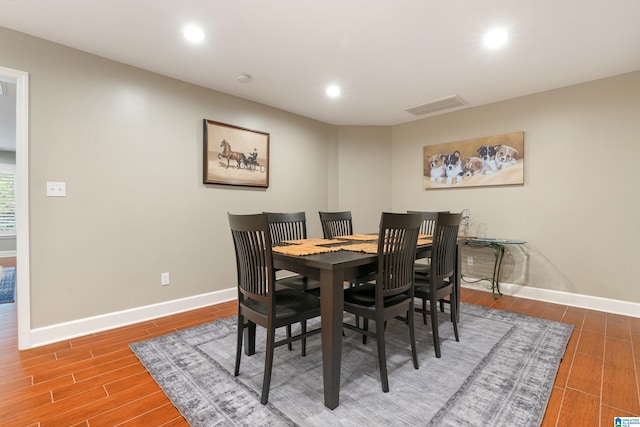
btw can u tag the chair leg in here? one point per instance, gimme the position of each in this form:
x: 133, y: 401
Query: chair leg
x: 290, y: 345
x: 236, y: 370
x: 303, y: 329
x: 268, y: 364
x: 442, y: 305
x: 424, y: 310
x: 250, y: 339
x: 382, y: 356
x: 353, y: 285
x: 434, y: 326
x: 365, y: 326
x: 454, y: 320
x: 412, y: 335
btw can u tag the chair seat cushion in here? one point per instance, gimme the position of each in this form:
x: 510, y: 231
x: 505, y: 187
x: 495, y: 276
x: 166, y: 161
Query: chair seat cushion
x: 289, y: 303
x: 365, y: 295
x: 422, y: 287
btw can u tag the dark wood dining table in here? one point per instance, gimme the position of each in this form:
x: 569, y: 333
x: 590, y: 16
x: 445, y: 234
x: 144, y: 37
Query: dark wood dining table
x: 332, y: 269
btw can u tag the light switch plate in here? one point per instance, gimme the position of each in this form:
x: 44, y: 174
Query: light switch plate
x: 56, y: 189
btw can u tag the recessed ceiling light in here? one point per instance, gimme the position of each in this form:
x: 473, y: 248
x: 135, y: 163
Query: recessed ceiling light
x: 333, y: 91
x: 495, y: 38
x: 193, y: 34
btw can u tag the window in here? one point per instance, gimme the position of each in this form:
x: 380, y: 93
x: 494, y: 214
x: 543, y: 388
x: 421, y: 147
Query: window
x: 7, y: 202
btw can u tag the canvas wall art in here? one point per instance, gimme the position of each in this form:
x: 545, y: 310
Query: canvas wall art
x: 489, y: 160
x: 235, y: 156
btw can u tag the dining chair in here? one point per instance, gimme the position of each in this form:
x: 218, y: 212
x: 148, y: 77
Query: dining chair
x: 427, y: 227
x: 287, y: 226
x: 440, y: 283
x: 335, y: 224
x: 392, y: 293
x: 291, y: 226
x: 259, y: 303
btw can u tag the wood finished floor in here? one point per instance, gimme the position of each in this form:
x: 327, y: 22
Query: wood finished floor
x: 97, y: 381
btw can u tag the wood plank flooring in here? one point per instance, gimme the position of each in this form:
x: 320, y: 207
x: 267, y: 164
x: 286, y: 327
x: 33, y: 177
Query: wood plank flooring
x: 97, y: 381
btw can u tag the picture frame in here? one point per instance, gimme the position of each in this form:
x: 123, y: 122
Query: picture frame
x: 485, y: 161
x: 235, y: 156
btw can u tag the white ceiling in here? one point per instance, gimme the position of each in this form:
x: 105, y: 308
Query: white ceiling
x: 387, y: 55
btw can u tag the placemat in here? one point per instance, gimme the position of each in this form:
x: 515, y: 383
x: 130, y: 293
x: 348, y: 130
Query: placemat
x: 313, y: 241
x: 364, y: 237
x: 301, y: 250
x: 369, y: 248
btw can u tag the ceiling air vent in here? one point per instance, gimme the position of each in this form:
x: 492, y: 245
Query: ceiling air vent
x: 440, y: 105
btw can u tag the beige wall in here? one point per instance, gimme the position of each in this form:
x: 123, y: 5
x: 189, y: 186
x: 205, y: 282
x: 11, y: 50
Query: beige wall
x: 128, y: 144
x: 365, y: 174
x: 578, y: 206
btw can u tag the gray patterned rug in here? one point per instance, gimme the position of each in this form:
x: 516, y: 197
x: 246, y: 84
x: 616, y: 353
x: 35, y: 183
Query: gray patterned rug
x: 500, y: 374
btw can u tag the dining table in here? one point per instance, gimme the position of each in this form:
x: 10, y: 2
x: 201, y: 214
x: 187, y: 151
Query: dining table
x: 333, y: 269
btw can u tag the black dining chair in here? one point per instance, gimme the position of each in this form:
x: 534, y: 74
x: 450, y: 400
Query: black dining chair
x: 439, y: 283
x: 427, y: 227
x: 392, y: 293
x: 291, y: 226
x: 259, y: 303
x: 287, y: 226
x: 335, y: 224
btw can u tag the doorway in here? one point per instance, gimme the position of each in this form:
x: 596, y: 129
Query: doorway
x: 23, y: 298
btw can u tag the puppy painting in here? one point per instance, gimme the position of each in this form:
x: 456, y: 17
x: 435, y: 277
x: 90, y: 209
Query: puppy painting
x: 436, y: 171
x: 506, y: 156
x: 453, y: 167
x: 477, y: 162
x: 472, y: 166
x: 488, y: 155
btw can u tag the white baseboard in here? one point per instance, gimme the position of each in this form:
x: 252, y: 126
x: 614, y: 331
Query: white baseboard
x: 608, y: 305
x: 90, y: 325
x: 7, y: 254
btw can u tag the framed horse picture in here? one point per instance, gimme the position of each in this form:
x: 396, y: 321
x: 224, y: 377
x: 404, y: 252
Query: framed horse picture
x: 235, y: 156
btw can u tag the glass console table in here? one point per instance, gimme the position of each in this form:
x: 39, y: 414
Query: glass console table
x: 498, y: 246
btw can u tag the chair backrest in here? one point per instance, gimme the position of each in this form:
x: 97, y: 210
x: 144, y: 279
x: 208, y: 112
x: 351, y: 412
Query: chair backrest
x: 336, y: 224
x: 254, y: 259
x: 428, y: 221
x: 443, y: 251
x: 287, y: 226
x: 397, y: 242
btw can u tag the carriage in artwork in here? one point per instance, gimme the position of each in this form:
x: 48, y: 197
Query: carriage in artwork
x: 249, y: 161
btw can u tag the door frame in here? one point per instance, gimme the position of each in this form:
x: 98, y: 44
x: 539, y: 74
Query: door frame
x: 23, y: 284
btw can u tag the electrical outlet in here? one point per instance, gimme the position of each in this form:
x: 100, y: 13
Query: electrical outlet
x: 469, y: 260
x: 164, y: 279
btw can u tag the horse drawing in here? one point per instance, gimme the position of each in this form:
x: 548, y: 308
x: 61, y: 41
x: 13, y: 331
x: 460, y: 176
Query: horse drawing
x: 228, y: 154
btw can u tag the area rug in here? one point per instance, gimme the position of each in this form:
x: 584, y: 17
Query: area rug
x: 8, y: 285
x: 500, y: 374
